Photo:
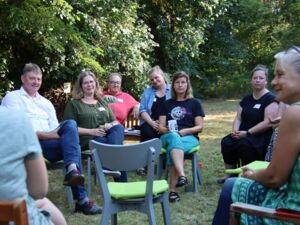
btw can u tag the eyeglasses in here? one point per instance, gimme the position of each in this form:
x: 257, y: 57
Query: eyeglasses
x: 115, y: 82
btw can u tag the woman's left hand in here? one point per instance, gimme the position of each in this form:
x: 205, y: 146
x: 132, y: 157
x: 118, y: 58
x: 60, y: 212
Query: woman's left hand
x: 247, y: 172
x: 239, y: 134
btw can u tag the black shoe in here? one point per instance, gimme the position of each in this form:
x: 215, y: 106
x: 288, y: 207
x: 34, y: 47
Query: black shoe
x: 74, y: 178
x: 182, y: 180
x: 141, y: 172
x: 88, y: 208
x: 174, y: 196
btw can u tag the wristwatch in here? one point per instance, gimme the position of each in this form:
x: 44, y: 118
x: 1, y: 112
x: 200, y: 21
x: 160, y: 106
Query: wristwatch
x: 248, y: 133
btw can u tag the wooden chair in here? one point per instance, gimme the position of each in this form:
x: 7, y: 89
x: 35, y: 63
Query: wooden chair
x: 13, y: 211
x: 132, y: 132
x: 237, y: 208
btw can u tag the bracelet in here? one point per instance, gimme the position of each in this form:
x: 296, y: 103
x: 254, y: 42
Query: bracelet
x: 248, y: 133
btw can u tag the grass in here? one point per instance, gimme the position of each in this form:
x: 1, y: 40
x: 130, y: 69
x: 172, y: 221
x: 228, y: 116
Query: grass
x: 194, y: 208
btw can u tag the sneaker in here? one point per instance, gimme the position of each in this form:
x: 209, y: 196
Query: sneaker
x: 88, y: 208
x: 113, y: 173
x: 73, y: 178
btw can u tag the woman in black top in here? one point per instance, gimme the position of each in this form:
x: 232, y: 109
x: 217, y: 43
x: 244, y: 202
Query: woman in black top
x: 251, y: 127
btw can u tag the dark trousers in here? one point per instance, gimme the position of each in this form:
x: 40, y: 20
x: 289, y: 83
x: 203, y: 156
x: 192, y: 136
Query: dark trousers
x: 234, y: 150
x: 148, y: 133
x: 221, y: 216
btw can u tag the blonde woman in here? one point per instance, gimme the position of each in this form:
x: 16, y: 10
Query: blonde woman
x: 187, y: 114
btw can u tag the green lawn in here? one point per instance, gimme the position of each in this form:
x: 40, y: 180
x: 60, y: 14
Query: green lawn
x: 194, y: 208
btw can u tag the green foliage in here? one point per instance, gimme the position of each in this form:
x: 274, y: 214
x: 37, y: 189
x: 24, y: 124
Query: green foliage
x: 216, y: 42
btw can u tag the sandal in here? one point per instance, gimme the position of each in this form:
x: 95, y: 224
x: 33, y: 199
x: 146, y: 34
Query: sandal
x: 174, y: 196
x: 182, y: 180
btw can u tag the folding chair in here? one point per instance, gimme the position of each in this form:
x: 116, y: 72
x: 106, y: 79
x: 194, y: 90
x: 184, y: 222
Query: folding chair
x: 238, y: 207
x: 138, y: 196
x: 13, y: 211
x: 196, y: 172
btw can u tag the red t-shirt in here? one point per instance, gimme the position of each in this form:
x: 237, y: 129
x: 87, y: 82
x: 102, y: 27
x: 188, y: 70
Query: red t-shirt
x: 121, y: 108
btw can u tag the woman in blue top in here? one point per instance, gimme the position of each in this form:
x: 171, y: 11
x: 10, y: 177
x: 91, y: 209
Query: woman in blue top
x: 151, y: 102
x: 187, y: 113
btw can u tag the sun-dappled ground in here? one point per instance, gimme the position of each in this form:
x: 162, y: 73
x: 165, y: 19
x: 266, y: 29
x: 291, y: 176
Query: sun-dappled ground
x: 194, y: 208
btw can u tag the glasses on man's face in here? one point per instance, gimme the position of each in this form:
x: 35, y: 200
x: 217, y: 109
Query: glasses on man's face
x: 114, y: 82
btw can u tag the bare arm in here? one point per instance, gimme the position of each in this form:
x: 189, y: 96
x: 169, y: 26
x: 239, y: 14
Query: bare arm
x: 285, y: 153
x: 37, y: 177
x: 145, y: 116
x: 163, y: 125
x: 237, y: 120
x: 271, y: 111
x: 136, y: 111
x: 195, y: 129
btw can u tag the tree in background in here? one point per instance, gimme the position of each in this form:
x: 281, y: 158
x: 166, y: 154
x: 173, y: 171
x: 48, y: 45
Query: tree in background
x: 216, y: 42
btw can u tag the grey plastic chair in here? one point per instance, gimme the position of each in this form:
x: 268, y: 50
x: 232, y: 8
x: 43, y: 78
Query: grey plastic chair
x: 139, y: 196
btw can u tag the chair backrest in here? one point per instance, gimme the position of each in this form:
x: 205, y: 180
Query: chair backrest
x: 13, y: 211
x: 125, y: 157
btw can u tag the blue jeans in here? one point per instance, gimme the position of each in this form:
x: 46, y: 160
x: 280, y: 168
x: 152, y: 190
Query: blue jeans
x: 66, y: 148
x: 221, y: 216
x: 114, y: 136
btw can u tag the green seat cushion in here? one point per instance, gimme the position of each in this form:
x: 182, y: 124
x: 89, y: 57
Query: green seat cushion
x: 137, y: 189
x: 195, y: 149
x: 256, y: 165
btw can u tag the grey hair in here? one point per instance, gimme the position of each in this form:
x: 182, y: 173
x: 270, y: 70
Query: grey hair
x: 114, y: 74
x: 291, y: 56
x: 31, y: 67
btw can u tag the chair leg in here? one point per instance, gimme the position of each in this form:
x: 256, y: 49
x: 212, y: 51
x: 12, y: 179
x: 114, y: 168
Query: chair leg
x: 159, y: 167
x: 105, y: 216
x: 114, y: 219
x: 166, y: 210
x: 194, y: 187
x: 89, y: 175
x: 234, y: 218
x: 68, y: 190
x: 150, y: 213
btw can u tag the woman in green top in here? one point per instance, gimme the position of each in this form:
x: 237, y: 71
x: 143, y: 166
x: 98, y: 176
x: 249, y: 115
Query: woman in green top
x: 94, y: 118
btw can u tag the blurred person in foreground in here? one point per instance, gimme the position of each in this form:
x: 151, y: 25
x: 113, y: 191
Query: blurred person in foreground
x: 23, y: 172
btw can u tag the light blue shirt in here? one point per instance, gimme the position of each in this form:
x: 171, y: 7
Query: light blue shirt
x: 148, y: 98
x: 38, y: 109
